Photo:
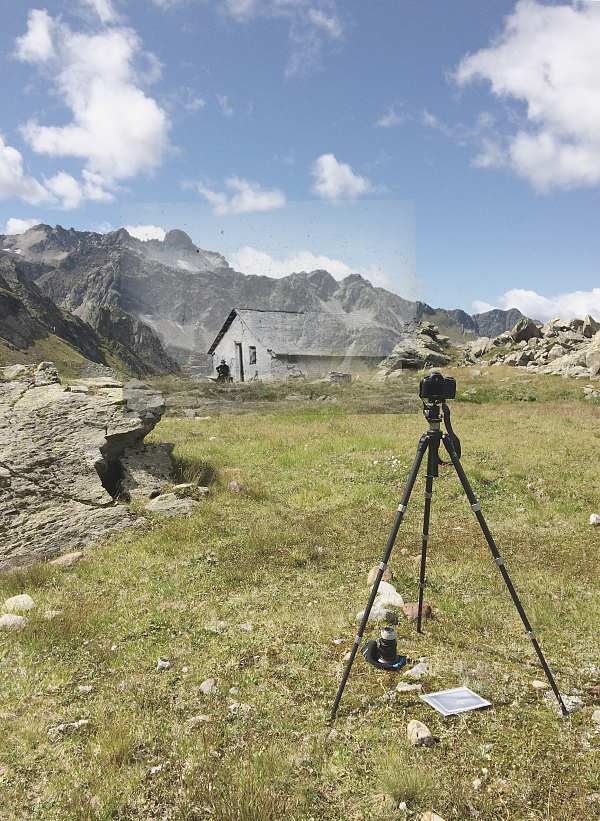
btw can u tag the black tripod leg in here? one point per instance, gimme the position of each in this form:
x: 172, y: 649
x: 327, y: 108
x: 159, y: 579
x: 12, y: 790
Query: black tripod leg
x: 476, y: 508
x: 421, y: 448
x: 432, y: 473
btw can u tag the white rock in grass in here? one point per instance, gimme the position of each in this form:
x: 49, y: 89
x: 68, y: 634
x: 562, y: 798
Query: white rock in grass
x: 572, y: 703
x: 595, y: 519
x: 430, y: 816
x: 405, y: 687
x: 164, y: 664
x: 68, y: 727
x: 596, y: 716
x: 388, y: 600
x: 208, y: 687
x: 11, y: 622
x: 540, y: 685
x: 385, y: 587
x: 418, y: 670
x: 16, y: 604
x: 239, y: 709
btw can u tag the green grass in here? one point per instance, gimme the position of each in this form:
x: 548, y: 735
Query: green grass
x: 289, y: 555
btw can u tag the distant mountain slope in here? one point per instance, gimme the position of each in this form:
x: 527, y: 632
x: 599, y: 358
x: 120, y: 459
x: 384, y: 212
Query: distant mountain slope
x: 185, y: 293
x: 28, y: 315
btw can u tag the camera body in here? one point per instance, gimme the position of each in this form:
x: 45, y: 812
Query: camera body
x: 437, y: 388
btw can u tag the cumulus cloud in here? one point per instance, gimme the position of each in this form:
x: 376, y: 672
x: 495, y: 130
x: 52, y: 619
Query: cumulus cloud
x: 145, y: 231
x: 547, y: 58
x: 104, y: 9
x: 249, y: 197
x: 479, y: 307
x: 335, y: 181
x: 250, y: 261
x: 14, y: 182
x: 116, y: 130
x: 565, y: 306
x: 18, y: 226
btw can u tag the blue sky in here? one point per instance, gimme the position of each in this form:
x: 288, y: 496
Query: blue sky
x: 478, y: 124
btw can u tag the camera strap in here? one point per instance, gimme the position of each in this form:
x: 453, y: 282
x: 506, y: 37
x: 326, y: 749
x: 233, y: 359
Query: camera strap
x: 451, y: 434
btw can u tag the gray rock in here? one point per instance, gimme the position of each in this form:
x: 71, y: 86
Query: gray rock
x: 164, y: 664
x: 208, y: 687
x: 379, y: 615
x: 419, y: 734
x: 60, y: 453
x: 18, y: 604
x: 146, y: 469
x: 67, y: 727
x: 404, y: 687
x: 418, y: 670
x: 15, y: 372
x: 596, y: 716
x: 11, y: 622
x: 169, y: 504
x: 68, y: 559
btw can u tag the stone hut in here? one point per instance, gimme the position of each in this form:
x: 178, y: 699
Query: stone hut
x: 262, y: 344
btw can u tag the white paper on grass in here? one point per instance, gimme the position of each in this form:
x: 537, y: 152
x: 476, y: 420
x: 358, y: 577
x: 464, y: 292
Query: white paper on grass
x: 457, y: 700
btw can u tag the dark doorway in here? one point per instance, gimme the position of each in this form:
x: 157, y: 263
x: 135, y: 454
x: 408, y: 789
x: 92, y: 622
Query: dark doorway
x: 239, y: 361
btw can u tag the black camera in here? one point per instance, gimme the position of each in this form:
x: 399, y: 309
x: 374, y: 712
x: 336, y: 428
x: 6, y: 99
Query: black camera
x: 437, y: 388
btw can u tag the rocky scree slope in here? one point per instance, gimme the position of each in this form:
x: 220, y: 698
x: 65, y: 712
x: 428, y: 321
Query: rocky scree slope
x: 66, y: 453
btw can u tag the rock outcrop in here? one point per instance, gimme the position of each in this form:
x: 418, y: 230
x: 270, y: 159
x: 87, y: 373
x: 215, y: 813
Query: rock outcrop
x: 60, y: 459
x: 424, y: 348
x: 569, y: 349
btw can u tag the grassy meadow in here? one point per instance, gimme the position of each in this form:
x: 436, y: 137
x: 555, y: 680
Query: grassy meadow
x: 254, y: 589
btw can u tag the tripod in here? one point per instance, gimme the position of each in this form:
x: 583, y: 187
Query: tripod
x: 430, y: 442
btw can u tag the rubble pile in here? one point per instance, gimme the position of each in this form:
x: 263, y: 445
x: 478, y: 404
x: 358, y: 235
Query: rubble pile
x: 570, y: 349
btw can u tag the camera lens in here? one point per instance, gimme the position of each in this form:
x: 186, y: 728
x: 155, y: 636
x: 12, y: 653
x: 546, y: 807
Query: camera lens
x: 387, y: 645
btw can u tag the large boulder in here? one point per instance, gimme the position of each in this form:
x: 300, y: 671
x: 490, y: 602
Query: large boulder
x: 60, y: 452
x: 524, y: 330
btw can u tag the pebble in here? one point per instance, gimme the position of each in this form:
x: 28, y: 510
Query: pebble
x: 246, y: 627
x: 11, y: 622
x: 208, y: 687
x: 387, y: 575
x: 68, y: 559
x: 430, y: 816
x: 596, y: 716
x: 595, y: 519
x: 85, y: 688
x: 540, y: 685
x: 21, y: 603
x: 164, y: 664
x: 239, y: 709
x: 390, y: 696
x: 411, y: 611
x: 233, y: 691
x: 418, y: 670
x: 234, y: 487
x: 419, y: 734
x: 404, y: 687
x: 195, y: 722
x: 69, y: 727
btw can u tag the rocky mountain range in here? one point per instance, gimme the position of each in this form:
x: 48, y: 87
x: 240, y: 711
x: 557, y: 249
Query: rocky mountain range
x: 165, y: 301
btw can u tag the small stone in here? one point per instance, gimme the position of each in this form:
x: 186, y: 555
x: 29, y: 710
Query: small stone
x: 348, y: 656
x: 418, y: 670
x: 540, y: 685
x: 404, y: 687
x: 164, y: 664
x: 390, y: 696
x: 234, y: 487
x: 419, y: 735
x: 520, y: 510
x: 208, y: 687
x: 339, y: 641
x: 595, y: 519
x: 68, y: 559
x: 11, y: 622
x: 596, y: 716
x: 220, y: 627
x: 21, y: 603
x: 246, y: 627
x: 233, y: 691
x: 411, y: 611
x: 68, y: 727
x: 387, y: 575
x: 430, y: 816
x: 572, y: 703
x: 477, y: 783
x: 332, y: 735
x: 195, y: 722
x: 85, y: 688
x: 239, y: 709
x: 593, y: 797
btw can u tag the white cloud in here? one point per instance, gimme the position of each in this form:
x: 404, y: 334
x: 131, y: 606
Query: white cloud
x: 479, y: 307
x: 335, y: 181
x: 547, y: 58
x: 225, y: 107
x: 250, y: 197
x: 145, y: 231
x: 104, y: 9
x: 116, y: 130
x: 18, y: 226
x: 13, y: 182
x: 565, y: 306
x: 250, y: 261
x: 389, y: 119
